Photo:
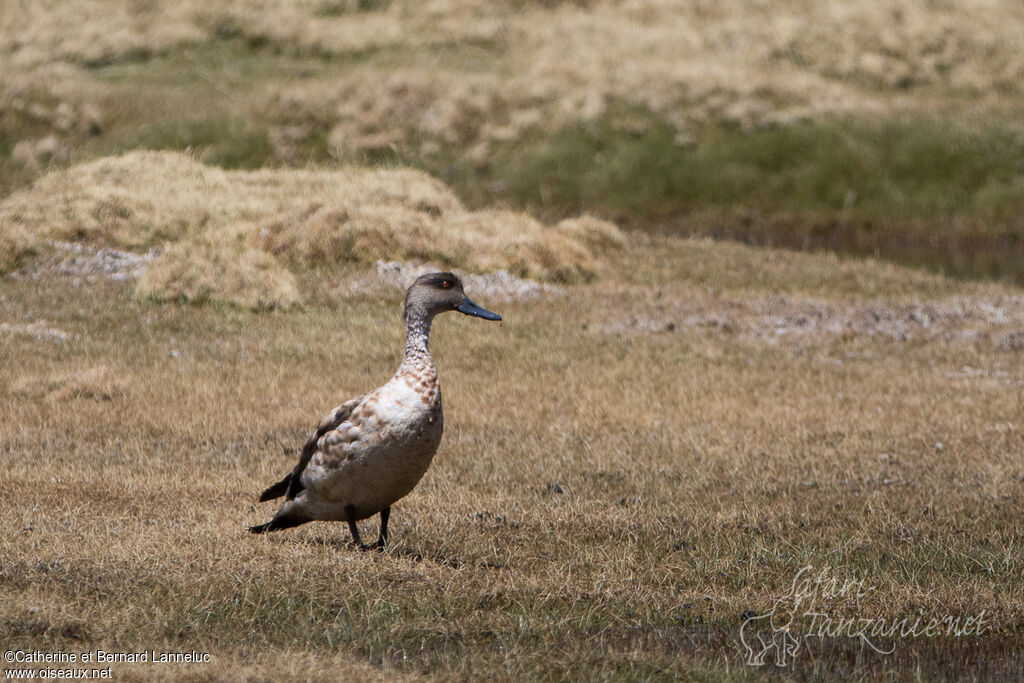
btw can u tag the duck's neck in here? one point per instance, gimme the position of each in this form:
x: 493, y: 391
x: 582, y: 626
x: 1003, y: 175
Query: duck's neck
x: 417, y: 336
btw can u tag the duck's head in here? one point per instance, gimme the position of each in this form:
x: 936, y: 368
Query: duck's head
x: 435, y: 293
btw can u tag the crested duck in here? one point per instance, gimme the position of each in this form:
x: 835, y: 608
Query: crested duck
x: 373, y: 449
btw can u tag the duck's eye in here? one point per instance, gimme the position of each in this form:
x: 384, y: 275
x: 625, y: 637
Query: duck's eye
x: 445, y: 284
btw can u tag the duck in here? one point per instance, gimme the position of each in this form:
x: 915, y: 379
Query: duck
x: 372, y: 450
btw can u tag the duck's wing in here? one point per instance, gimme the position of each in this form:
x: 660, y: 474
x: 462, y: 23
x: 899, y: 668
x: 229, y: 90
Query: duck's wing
x: 330, y: 422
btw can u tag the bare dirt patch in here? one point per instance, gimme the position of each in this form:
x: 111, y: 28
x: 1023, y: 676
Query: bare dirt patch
x: 39, y: 330
x: 781, y: 320
x: 87, y: 263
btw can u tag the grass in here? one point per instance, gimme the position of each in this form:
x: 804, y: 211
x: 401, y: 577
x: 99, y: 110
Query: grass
x: 580, y: 524
x: 244, y: 237
x: 862, y: 169
x: 636, y: 460
x: 887, y: 131
x: 227, y: 61
x: 223, y: 141
x: 938, y: 193
x: 942, y: 194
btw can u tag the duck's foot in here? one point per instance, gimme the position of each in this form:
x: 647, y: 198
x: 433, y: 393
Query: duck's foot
x: 368, y: 548
x: 350, y: 516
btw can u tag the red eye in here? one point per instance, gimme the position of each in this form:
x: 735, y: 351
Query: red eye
x: 445, y: 284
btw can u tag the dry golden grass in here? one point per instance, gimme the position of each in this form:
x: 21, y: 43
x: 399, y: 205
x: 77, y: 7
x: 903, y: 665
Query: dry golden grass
x: 232, y: 235
x: 460, y: 71
x: 91, y: 32
x: 632, y: 460
x: 698, y: 467
x: 97, y: 383
x: 693, y: 63
x: 515, y: 104
x: 202, y: 273
x: 15, y: 245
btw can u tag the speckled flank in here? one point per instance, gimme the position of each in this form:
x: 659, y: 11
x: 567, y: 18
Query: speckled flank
x: 381, y: 452
x: 373, y: 450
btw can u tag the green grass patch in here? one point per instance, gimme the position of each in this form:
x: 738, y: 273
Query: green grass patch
x: 630, y: 163
x: 229, y: 61
x: 943, y: 194
x: 339, y: 8
x: 224, y: 141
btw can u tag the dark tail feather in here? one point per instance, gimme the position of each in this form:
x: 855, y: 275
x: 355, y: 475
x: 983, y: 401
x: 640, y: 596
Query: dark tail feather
x: 280, y: 521
x: 276, y: 491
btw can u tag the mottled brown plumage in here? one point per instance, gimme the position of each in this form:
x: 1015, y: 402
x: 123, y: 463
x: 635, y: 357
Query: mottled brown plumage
x: 373, y: 449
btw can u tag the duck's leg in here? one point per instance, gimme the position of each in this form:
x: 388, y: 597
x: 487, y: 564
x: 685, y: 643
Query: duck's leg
x: 382, y: 539
x: 350, y: 516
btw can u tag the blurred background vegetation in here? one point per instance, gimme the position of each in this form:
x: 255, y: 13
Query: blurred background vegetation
x: 889, y: 129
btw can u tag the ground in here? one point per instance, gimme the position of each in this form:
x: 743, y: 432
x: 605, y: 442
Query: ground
x: 631, y: 468
x: 671, y: 449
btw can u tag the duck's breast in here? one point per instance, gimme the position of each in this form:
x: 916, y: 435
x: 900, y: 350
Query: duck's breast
x: 398, y: 431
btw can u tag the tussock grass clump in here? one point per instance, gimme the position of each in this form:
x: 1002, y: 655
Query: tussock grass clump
x: 478, y: 241
x: 238, y: 236
x: 742, y: 65
x: 598, y: 234
x: 15, y: 246
x: 91, y: 32
x: 199, y: 273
